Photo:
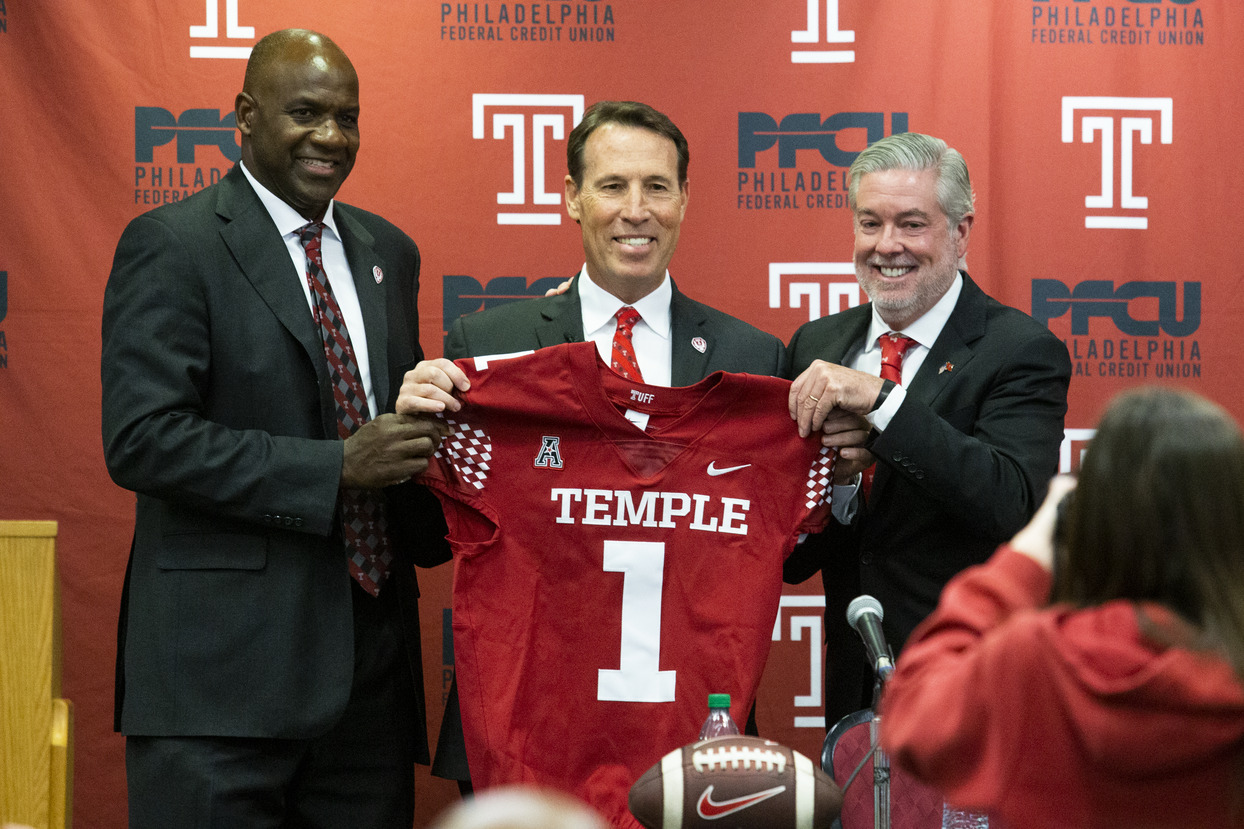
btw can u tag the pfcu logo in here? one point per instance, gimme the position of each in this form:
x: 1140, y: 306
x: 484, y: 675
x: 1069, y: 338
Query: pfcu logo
x: 759, y: 132
x: 464, y: 294
x: 1099, y: 298
x: 155, y: 126
x: 1134, y: 118
x: 835, y: 35
x: 544, y: 118
x: 210, y: 30
x: 809, y: 282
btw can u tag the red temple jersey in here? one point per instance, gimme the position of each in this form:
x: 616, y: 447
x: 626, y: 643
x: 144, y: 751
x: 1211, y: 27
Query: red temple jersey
x: 611, y: 573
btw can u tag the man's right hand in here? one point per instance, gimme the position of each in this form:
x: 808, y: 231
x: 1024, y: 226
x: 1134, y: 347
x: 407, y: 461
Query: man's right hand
x: 848, y: 433
x: 429, y: 388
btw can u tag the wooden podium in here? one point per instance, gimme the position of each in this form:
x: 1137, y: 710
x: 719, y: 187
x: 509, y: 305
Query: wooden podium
x: 36, y: 725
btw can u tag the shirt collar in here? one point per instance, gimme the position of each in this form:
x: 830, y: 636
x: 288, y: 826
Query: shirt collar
x: 599, y: 306
x: 287, y: 219
x: 926, y: 329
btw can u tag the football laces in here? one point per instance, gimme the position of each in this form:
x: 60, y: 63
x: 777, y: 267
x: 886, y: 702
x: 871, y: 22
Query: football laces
x: 712, y: 758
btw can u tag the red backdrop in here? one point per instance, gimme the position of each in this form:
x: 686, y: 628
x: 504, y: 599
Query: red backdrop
x: 1101, y: 134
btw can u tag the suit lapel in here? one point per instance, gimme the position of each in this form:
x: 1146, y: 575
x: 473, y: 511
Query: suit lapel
x: 687, y: 323
x: 364, y: 265
x: 561, y: 319
x: 950, y: 352
x: 261, y: 254
x: 953, y: 349
x: 834, y: 340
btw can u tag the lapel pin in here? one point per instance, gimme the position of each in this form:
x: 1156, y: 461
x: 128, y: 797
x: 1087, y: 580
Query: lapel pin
x: 699, y: 344
x: 379, y: 274
x: 947, y: 367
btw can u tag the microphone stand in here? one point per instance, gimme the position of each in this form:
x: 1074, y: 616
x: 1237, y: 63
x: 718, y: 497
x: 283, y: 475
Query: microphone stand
x: 881, y: 760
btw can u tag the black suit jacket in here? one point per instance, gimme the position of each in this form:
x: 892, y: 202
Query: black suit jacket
x: 217, y: 411
x: 960, y: 468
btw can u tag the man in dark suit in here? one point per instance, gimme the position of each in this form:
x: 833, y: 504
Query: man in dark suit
x: 965, y: 437
x: 262, y: 678
x: 627, y: 189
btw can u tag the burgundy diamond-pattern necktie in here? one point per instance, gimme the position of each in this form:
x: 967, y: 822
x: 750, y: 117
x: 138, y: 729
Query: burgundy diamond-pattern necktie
x: 363, y: 520
x: 624, y: 361
x: 894, y: 348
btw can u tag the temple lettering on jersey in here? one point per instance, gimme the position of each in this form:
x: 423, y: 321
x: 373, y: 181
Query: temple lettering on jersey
x: 617, y: 508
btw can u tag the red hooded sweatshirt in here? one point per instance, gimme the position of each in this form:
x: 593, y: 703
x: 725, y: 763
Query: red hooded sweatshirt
x: 1050, y: 717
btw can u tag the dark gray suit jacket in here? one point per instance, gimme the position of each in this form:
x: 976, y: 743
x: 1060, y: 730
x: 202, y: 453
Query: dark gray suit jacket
x: 960, y: 468
x: 217, y: 411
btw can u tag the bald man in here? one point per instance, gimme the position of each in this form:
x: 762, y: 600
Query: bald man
x: 254, y: 339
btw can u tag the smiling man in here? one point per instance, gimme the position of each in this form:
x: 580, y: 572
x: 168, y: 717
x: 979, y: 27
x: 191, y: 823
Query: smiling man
x: 966, y: 420
x: 627, y: 188
x: 255, y: 337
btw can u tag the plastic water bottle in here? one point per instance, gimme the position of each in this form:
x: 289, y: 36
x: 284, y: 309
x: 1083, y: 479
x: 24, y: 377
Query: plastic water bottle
x: 953, y: 818
x: 719, y: 722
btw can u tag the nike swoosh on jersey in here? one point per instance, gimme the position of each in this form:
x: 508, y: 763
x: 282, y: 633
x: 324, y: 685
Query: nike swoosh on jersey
x: 714, y: 471
x: 710, y: 809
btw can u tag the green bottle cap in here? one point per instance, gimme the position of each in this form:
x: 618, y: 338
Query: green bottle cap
x: 718, y: 700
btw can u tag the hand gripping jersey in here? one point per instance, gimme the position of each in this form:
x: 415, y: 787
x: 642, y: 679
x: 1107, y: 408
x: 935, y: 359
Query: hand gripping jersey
x: 610, y: 572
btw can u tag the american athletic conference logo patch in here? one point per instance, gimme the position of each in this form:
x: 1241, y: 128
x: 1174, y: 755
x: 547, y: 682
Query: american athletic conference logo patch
x: 550, y: 454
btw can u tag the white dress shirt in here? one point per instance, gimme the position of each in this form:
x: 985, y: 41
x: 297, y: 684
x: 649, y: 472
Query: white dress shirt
x: 924, y: 331
x: 336, y: 271
x: 651, y: 335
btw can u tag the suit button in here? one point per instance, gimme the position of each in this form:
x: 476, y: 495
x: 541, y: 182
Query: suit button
x: 866, y: 557
x: 289, y: 521
x: 897, y: 457
x: 267, y: 519
x: 919, y: 474
x: 297, y: 522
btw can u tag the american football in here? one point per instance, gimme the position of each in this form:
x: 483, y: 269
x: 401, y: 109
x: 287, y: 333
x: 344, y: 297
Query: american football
x: 735, y: 783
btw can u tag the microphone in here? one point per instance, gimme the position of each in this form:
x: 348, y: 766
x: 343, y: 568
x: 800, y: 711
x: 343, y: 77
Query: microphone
x: 865, y: 615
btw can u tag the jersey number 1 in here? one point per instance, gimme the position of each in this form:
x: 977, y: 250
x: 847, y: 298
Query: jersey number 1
x: 639, y: 677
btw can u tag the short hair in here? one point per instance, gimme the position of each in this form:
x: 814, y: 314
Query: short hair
x: 916, y: 151
x: 627, y: 114
x: 1156, y: 515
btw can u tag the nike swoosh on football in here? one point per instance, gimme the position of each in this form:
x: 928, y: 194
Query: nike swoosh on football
x: 710, y: 809
x: 714, y: 471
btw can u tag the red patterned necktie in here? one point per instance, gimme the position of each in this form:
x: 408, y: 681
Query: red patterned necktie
x: 624, y: 361
x: 893, y: 348
x: 363, y: 522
